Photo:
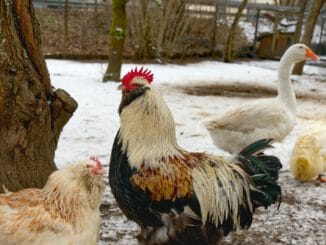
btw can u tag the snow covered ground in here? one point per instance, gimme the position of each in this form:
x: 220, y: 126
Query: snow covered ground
x: 301, y: 218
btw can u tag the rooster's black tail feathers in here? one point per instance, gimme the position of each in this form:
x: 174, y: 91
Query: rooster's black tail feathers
x: 264, y: 172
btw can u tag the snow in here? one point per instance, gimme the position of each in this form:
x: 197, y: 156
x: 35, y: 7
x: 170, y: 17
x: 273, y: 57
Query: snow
x: 92, y: 129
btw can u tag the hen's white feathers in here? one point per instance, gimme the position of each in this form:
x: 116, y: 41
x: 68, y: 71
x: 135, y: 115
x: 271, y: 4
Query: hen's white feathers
x: 65, y: 211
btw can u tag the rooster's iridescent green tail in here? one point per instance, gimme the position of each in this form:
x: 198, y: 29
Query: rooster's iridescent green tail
x: 264, y: 172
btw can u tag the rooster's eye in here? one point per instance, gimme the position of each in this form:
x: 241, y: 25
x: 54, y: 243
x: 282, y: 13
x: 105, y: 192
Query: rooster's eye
x: 132, y: 87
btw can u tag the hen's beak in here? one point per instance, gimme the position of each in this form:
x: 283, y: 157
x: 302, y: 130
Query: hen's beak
x: 311, y: 54
x: 120, y: 87
x: 98, y: 171
x: 101, y: 171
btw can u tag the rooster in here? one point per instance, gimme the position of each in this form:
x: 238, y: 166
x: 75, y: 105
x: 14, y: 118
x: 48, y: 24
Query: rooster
x: 176, y: 196
x: 65, y: 211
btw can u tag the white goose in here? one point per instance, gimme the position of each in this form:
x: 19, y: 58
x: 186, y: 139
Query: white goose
x: 264, y: 118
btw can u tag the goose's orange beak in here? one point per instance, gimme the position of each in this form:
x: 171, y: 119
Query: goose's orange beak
x: 310, y: 54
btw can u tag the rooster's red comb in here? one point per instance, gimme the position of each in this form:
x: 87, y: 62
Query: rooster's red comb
x: 144, y: 73
x: 98, y: 163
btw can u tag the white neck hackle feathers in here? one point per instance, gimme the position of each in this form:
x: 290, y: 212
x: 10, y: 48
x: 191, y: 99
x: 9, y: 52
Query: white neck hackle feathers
x: 147, y: 130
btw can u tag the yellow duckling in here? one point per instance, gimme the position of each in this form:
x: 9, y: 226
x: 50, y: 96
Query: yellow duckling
x: 308, y: 159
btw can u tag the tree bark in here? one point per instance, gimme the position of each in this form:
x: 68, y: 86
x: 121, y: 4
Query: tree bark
x: 32, y: 115
x: 213, y: 36
x: 117, y: 37
x: 298, y: 27
x: 65, y: 27
x: 309, y: 30
x: 275, y: 36
x: 229, y: 42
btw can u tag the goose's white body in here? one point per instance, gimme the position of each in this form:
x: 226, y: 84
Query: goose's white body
x: 308, y: 158
x: 264, y: 118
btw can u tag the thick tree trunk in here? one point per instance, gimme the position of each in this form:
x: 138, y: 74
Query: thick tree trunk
x: 31, y: 114
x: 309, y: 30
x: 117, y: 37
x: 229, y: 42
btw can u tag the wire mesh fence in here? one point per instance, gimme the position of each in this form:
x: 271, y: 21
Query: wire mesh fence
x: 170, y: 29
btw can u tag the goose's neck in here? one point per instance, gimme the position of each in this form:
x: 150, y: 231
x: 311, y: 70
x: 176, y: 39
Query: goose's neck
x: 285, y: 89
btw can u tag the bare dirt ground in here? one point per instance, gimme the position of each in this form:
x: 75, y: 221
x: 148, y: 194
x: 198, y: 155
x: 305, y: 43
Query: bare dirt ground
x: 300, y: 219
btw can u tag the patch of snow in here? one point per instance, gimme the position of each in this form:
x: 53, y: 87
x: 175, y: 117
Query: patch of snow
x: 92, y: 128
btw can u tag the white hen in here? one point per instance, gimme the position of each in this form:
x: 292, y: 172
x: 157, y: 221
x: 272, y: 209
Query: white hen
x: 66, y: 211
x: 264, y: 118
x: 308, y: 158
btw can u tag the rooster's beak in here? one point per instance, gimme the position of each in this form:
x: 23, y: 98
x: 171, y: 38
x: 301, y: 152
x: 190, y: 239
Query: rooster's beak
x: 120, y: 87
x: 311, y: 54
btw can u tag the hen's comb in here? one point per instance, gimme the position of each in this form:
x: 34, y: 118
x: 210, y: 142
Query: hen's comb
x: 145, y: 73
x: 98, y: 163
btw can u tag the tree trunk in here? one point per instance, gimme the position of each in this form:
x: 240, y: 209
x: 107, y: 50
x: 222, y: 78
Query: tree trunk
x: 300, y: 18
x: 309, y: 30
x: 65, y: 27
x: 32, y: 115
x: 117, y: 37
x: 229, y: 42
x: 275, y: 36
x: 213, y: 36
x: 144, y: 30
